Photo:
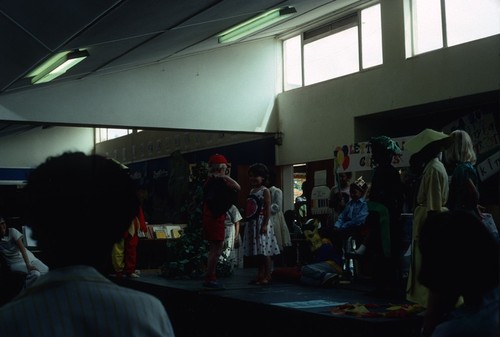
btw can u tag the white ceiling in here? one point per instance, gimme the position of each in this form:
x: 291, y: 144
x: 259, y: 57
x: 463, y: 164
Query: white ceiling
x: 127, y: 34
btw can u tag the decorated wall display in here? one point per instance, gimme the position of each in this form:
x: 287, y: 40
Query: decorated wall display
x: 481, y: 127
x: 489, y: 166
x: 357, y: 156
x: 162, y: 181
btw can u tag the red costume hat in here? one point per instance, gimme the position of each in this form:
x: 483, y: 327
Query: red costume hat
x: 218, y: 159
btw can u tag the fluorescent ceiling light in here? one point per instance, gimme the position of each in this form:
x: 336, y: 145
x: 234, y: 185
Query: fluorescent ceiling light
x: 255, y: 24
x: 57, y: 65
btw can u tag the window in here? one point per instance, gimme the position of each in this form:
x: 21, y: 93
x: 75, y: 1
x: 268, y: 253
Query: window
x: 103, y: 134
x: 444, y: 23
x: 337, y: 49
x: 292, y: 62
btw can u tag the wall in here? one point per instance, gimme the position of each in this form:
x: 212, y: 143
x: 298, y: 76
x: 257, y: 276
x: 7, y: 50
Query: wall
x: 152, y: 144
x: 30, y: 148
x: 214, y: 91
x: 21, y: 152
x: 230, y: 89
x: 159, y: 179
x: 314, y: 119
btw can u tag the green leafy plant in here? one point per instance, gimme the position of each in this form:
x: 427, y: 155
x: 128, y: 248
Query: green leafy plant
x: 225, y: 266
x: 187, y: 255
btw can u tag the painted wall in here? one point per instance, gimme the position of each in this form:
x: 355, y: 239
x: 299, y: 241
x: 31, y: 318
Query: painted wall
x: 153, y: 144
x: 316, y: 118
x: 30, y: 148
x: 235, y: 88
x: 231, y: 89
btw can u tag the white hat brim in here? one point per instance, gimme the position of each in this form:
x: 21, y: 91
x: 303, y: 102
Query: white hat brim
x: 423, y: 139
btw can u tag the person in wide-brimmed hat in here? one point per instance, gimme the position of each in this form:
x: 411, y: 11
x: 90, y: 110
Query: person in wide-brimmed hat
x: 425, y: 146
x: 432, y: 195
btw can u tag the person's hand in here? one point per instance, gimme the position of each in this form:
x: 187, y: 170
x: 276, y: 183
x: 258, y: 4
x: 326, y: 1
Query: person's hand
x: 263, y: 230
x: 236, y: 242
x: 31, y: 267
x: 480, y: 209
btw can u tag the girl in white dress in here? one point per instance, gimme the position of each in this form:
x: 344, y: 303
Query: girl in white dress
x: 259, y: 238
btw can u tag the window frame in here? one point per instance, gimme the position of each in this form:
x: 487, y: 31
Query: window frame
x: 345, y: 21
x: 410, y: 22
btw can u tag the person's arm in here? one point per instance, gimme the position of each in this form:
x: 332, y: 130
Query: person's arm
x: 236, y: 218
x: 236, y: 234
x: 24, y: 254
x: 266, y: 208
x: 232, y: 183
x: 339, y: 224
x: 278, y: 194
x: 359, y: 215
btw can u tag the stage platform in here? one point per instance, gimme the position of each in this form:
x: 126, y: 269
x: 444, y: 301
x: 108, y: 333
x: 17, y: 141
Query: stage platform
x: 279, y: 309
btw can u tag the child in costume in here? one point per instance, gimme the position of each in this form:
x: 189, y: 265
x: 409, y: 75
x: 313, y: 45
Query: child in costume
x: 219, y: 193
x: 432, y: 196
x: 124, y: 253
x: 326, y: 268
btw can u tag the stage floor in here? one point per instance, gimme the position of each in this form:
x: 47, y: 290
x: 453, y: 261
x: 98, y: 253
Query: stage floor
x: 279, y: 309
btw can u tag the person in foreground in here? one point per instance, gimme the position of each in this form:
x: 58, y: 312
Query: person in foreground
x: 451, y: 242
x: 78, y: 206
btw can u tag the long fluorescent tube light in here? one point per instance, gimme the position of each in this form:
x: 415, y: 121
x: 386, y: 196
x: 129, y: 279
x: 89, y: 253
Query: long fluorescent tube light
x: 58, y: 65
x: 255, y: 24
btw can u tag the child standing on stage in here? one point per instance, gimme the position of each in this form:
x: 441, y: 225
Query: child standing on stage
x: 259, y: 239
x: 219, y: 193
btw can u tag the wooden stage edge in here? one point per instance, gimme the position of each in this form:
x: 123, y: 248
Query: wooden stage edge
x: 279, y: 309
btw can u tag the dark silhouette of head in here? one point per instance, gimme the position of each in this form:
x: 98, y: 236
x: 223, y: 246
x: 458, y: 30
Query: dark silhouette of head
x: 383, y: 150
x: 450, y: 241
x: 78, y: 206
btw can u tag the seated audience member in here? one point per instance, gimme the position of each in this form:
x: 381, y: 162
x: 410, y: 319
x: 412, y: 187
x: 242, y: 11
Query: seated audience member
x: 337, y: 204
x: 17, y: 257
x: 12, y: 282
x: 339, y: 195
x: 352, y: 219
x: 95, y: 203
x: 451, y: 243
x: 356, y: 210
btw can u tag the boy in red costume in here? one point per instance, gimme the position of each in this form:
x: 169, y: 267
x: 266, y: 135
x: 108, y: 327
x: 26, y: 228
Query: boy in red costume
x: 124, y: 253
x: 219, y: 193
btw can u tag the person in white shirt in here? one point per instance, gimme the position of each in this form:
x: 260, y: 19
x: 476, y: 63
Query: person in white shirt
x: 17, y: 257
x: 78, y: 206
x: 231, y: 246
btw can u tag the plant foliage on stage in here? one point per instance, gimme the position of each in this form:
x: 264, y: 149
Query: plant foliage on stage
x: 187, y: 255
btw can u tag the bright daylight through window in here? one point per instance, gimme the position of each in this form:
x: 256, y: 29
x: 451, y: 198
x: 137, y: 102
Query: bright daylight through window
x: 333, y: 50
x: 103, y: 134
x: 444, y: 23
